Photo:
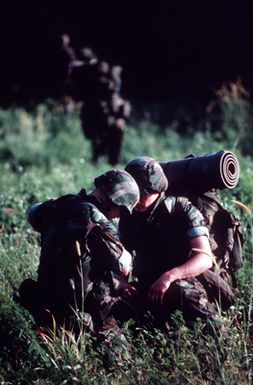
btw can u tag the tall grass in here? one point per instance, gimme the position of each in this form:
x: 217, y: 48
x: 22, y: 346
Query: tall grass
x: 43, y: 154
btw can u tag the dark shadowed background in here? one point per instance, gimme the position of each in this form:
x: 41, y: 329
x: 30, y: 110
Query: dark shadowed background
x: 170, y: 50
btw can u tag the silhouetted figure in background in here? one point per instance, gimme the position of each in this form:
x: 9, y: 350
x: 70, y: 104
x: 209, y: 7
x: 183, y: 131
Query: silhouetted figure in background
x: 84, y: 75
x: 65, y: 62
x: 64, y: 56
x: 90, y: 86
x: 117, y: 113
x: 104, y: 112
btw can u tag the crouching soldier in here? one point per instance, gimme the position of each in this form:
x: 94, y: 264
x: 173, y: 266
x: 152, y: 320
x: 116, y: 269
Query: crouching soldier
x: 173, y: 255
x: 80, y: 253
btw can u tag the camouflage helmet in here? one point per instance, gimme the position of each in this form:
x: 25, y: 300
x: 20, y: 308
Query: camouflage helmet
x: 148, y: 174
x: 120, y: 187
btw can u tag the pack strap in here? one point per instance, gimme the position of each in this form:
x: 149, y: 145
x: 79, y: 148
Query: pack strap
x: 205, y: 252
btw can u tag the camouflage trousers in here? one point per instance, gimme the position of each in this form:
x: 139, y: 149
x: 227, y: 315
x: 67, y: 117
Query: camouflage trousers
x: 199, y: 297
x: 89, y: 310
x: 196, y: 297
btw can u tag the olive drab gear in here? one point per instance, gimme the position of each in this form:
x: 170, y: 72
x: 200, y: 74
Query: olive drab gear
x: 79, y: 250
x: 120, y: 187
x: 161, y: 239
x: 198, y: 179
x: 226, y: 235
x: 199, y: 174
x: 148, y: 175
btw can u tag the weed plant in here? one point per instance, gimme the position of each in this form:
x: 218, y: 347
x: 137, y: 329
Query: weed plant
x: 44, y: 154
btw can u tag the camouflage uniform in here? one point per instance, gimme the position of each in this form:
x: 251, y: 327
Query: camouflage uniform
x: 160, y: 238
x: 116, y: 111
x: 104, y: 112
x: 92, y: 88
x: 80, y: 249
x: 70, y: 274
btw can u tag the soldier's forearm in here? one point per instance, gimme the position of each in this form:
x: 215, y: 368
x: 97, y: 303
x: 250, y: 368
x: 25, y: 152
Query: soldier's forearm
x: 194, y: 266
x: 200, y: 260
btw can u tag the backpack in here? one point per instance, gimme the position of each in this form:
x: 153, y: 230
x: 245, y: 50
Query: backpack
x: 198, y: 178
x: 226, y: 235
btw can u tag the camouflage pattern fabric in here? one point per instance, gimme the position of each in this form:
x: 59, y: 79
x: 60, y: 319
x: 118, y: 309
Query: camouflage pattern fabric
x: 190, y: 297
x: 148, y: 174
x: 79, y: 247
x: 155, y: 235
x: 120, y: 188
x: 226, y: 235
x: 160, y: 239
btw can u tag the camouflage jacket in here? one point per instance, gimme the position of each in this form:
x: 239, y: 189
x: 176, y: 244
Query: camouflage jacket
x: 160, y: 236
x: 79, y: 245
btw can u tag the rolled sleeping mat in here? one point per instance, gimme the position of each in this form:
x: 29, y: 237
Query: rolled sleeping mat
x: 198, y: 174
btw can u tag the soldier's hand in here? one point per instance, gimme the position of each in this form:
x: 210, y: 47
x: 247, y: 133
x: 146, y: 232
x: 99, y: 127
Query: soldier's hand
x: 159, y: 288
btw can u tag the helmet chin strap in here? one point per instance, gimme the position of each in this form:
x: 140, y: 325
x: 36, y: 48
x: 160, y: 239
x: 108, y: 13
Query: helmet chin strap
x: 160, y: 198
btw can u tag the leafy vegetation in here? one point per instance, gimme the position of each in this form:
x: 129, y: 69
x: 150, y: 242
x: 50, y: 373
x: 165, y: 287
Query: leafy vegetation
x: 44, y: 154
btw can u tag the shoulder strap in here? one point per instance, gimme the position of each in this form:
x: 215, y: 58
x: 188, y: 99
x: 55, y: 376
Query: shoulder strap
x: 160, y: 199
x: 212, y: 195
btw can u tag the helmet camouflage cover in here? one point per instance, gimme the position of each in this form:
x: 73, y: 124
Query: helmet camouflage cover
x: 120, y: 187
x: 148, y: 174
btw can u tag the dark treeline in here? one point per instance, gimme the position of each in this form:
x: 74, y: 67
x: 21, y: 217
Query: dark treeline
x: 175, y: 50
